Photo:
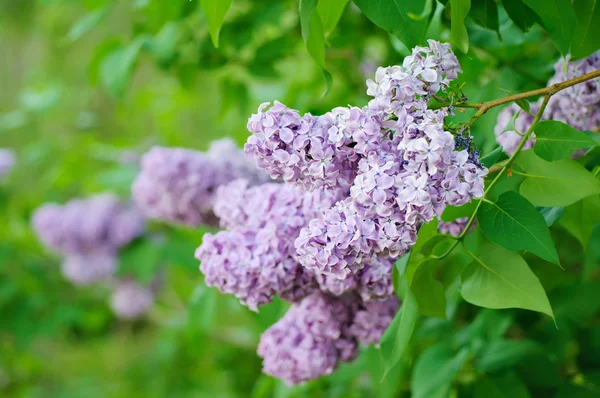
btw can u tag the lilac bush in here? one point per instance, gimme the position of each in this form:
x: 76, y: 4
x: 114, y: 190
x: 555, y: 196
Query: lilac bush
x: 130, y: 300
x: 8, y: 158
x: 578, y: 106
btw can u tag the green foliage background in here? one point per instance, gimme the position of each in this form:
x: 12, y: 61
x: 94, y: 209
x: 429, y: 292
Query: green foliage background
x: 87, y: 84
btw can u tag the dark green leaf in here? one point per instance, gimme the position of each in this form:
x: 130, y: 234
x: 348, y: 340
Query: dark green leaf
x: 491, y: 158
x: 215, y: 11
x: 435, y: 368
x: 556, y: 140
x: 586, y: 39
x: 485, y: 13
x: 523, y: 16
x: 581, y: 217
x: 459, y: 9
x: 396, y: 337
x: 551, y: 214
x: 559, y: 183
x: 524, y: 104
x: 429, y: 292
x: 512, y: 222
x: 499, y: 278
x: 393, y: 16
x: 502, y: 354
x: 506, y: 386
x: 558, y: 18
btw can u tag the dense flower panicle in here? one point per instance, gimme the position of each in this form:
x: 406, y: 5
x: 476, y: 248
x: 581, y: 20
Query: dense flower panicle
x: 253, y: 266
x: 309, y: 341
x: 7, y: 161
x: 372, y: 319
x: 84, y: 269
x: 229, y: 156
x: 130, y: 300
x: 454, y: 228
x: 100, y: 223
x: 178, y: 185
x: 578, y: 105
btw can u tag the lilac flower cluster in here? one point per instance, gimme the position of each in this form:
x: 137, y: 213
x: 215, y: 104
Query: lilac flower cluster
x: 7, y: 161
x: 454, y: 228
x: 319, y: 332
x: 130, y: 300
x: 89, y: 233
x: 358, y: 184
x: 178, y: 185
x: 578, y: 106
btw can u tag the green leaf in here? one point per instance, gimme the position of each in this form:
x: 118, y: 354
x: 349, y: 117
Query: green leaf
x: 215, y: 11
x: 581, y: 217
x: 506, y: 386
x: 524, y: 104
x: 452, y: 213
x: 86, y: 23
x: 396, y: 337
x: 164, y: 45
x: 436, y: 368
x: 330, y: 12
x: 586, y: 39
x: 502, y: 354
x: 523, y: 16
x: 485, y: 13
x: 116, y: 68
x: 459, y: 9
x: 558, y: 18
x: 141, y: 259
x: 491, y: 158
x: 513, y: 223
x: 499, y: 278
x: 394, y: 17
x: 202, y: 309
x: 551, y: 214
x: 557, y: 140
x: 314, y: 37
x: 559, y: 183
x: 429, y: 292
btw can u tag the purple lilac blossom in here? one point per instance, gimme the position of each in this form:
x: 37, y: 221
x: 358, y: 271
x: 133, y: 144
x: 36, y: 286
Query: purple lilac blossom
x: 130, y: 300
x: 85, y: 269
x: 7, y: 161
x: 309, y: 341
x: 372, y: 319
x: 408, y: 170
x: 578, y: 105
x: 99, y: 223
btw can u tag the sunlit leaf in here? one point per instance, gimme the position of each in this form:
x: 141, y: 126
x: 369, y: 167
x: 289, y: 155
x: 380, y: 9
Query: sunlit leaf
x: 215, y: 11
x: 459, y: 9
x: 556, y: 140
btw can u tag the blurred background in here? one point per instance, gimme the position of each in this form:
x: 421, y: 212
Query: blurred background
x: 87, y: 86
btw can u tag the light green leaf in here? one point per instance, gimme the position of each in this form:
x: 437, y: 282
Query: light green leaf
x: 86, y: 23
x: 459, y: 9
x: 556, y: 140
x: 521, y: 15
x: 558, y: 18
x: 215, y: 11
x: 513, y: 223
x: 581, y: 217
x: 585, y: 38
x: 394, y: 17
x: 429, y: 292
x: 559, y: 183
x: 499, y: 278
x: 501, y: 354
x: 551, y: 214
x: 330, y: 12
x: 435, y: 368
x: 396, y: 337
x: 314, y: 37
x: 164, y: 45
x: 116, y: 68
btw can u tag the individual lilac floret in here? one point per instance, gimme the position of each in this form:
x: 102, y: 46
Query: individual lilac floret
x: 229, y: 156
x: 309, y: 341
x: 578, y: 105
x: 252, y: 266
x: 7, y: 161
x: 130, y: 300
x: 100, y: 223
x: 454, y: 228
x: 85, y: 269
x: 372, y: 319
x: 178, y: 185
